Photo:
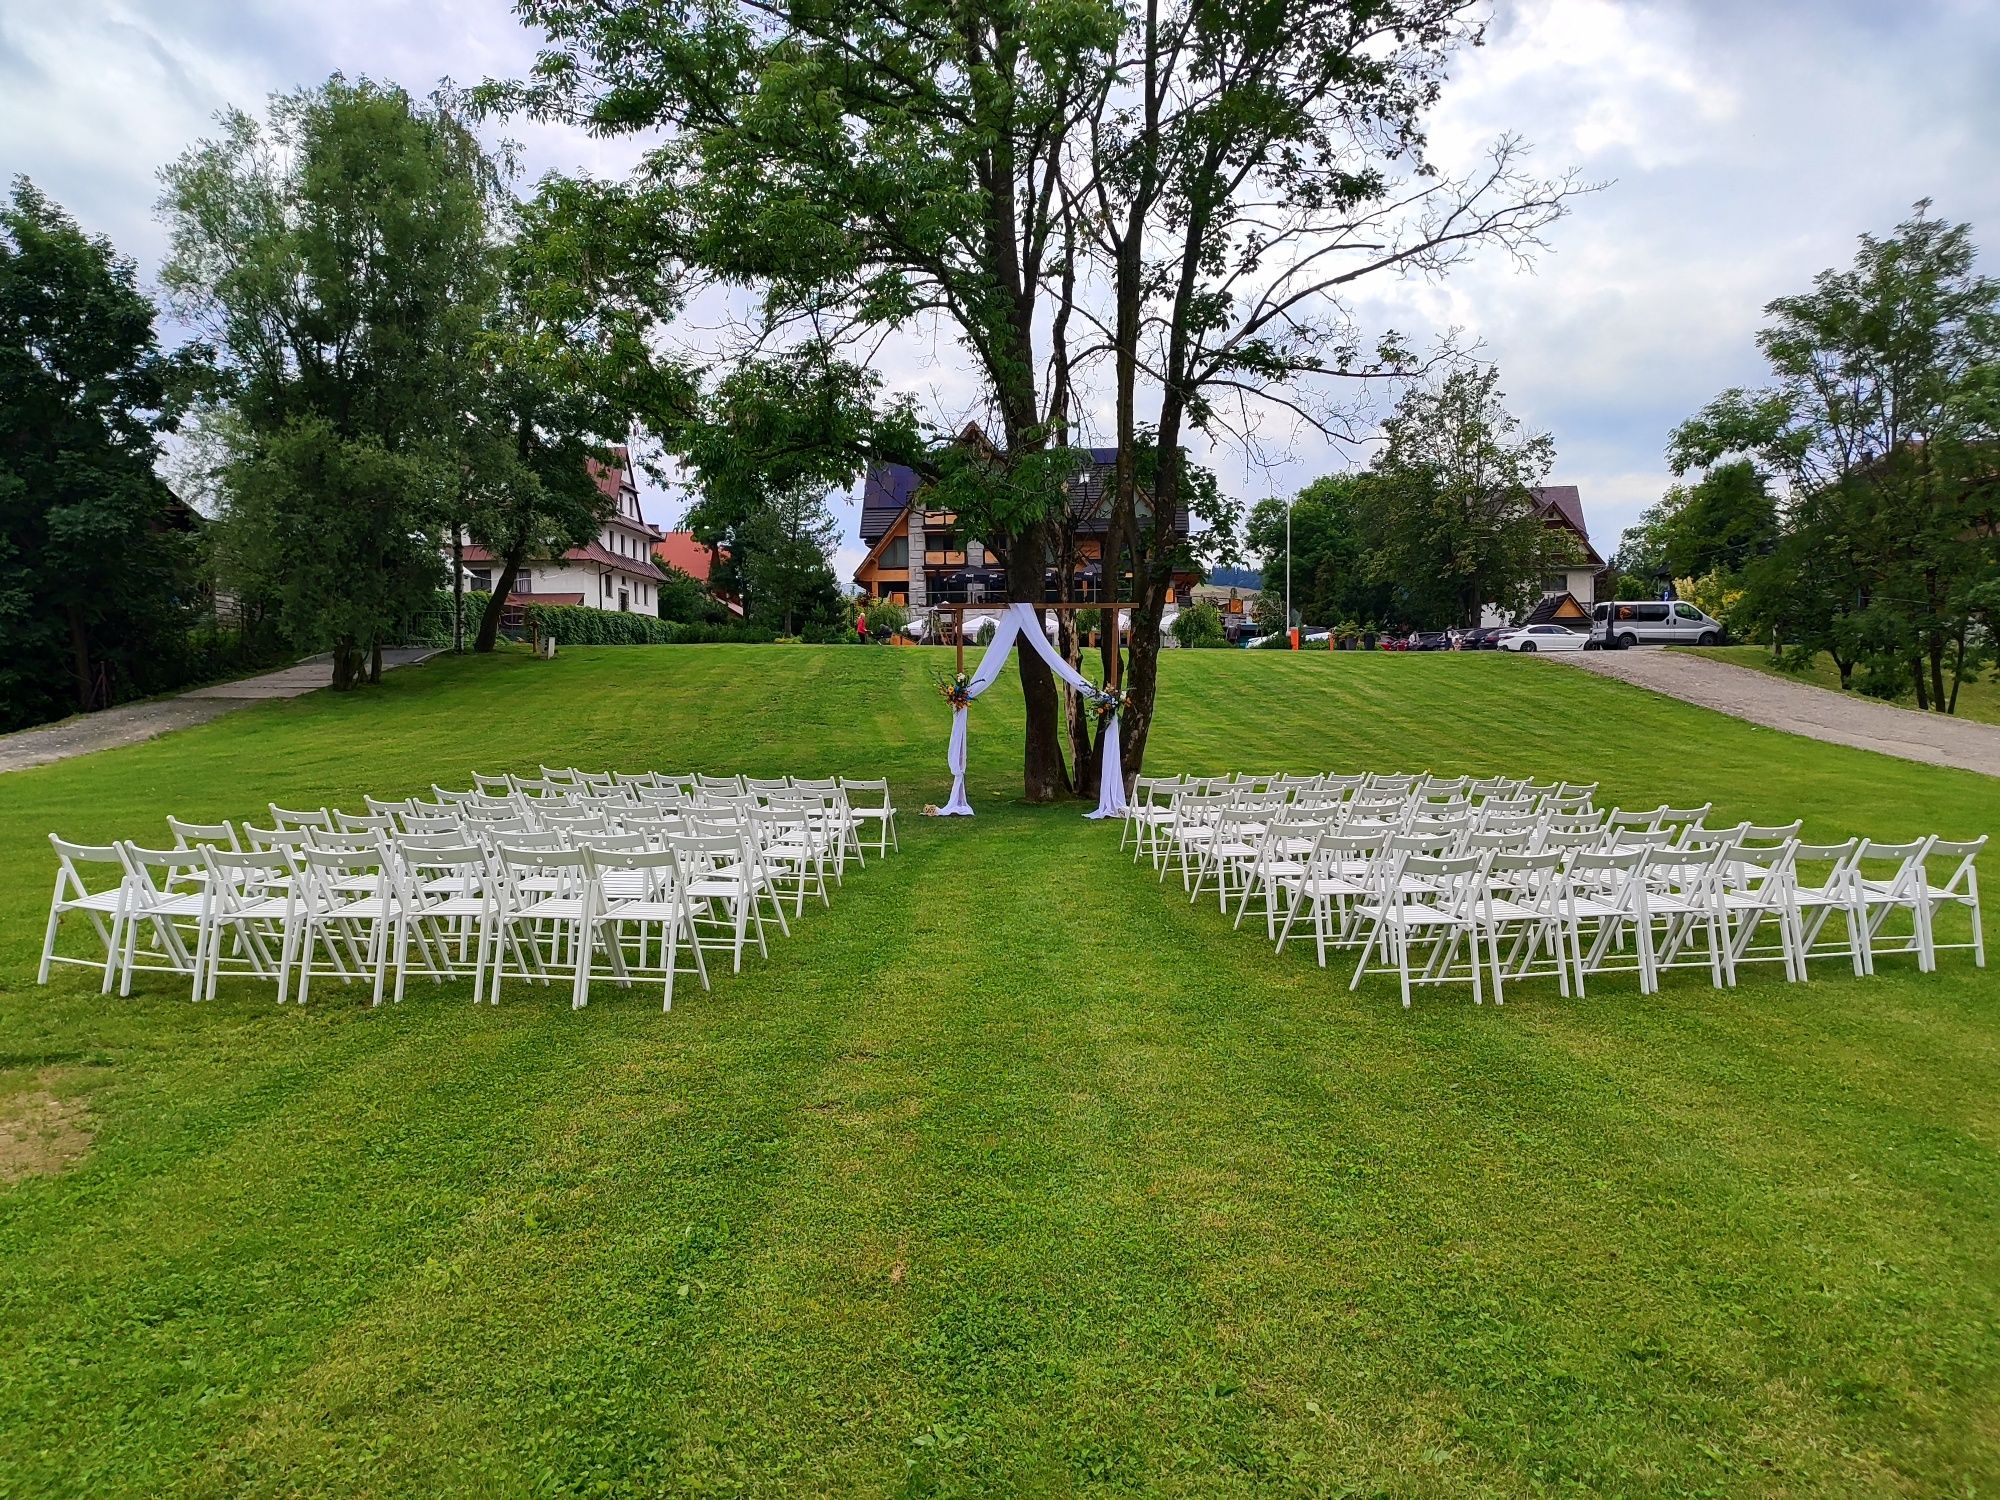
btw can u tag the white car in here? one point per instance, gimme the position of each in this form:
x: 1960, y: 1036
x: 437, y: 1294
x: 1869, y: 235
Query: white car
x: 1541, y: 638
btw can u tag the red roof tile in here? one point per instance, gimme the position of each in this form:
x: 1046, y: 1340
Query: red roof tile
x: 679, y: 549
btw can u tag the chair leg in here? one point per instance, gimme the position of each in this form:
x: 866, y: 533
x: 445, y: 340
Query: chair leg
x: 49, y: 937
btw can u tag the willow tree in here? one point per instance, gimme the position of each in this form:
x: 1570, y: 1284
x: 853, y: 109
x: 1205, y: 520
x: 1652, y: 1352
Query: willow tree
x: 1165, y: 203
x: 337, y: 256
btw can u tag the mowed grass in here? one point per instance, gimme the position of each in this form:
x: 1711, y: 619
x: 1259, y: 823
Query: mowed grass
x: 1012, y: 1173
x: 1978, y: 697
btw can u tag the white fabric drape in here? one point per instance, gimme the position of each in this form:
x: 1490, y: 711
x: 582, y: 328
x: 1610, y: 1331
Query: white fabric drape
x: 1024, y: 621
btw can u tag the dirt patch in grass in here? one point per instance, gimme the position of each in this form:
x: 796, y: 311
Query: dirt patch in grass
x: 42, y: 1131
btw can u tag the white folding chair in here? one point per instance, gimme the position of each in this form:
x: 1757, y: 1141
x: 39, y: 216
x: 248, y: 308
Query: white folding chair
x: 721, y: 868
x: 1959, y: 888
x: 167, y: 895
x: 1527, y: 908
x: 636, y: 910
x: 1605, y: 897
x: 346, y: 908
x: 1439, y: 902
x: 289, y: 818
x: 866, y: 810
x: 1819, y: 895
x: 102, y: 904
x: 444, y: 900
x: 251, y: 907
x: 538, y: 915
x: 1888, y: 879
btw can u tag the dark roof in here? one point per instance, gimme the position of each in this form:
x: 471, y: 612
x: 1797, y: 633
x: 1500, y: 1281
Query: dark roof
x: 884, y: 494
x: 1549, y: 610
x: 889, y: 487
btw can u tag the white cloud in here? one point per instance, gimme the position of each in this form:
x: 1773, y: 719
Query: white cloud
x: 1746, y: 146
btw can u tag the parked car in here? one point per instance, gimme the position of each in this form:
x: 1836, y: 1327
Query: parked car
x: 1542, y: 638
x: 1654, y: 622
x: 1479, y: 638
x: 1431, y: 640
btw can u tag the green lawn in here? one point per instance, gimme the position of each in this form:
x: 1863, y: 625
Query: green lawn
x: 1012, y: 1174
x: 1977, y: 698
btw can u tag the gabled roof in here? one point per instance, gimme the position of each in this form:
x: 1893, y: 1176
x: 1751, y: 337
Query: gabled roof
x: 679, y: 549
x: 1556, y: 609
x: 1563, y: 506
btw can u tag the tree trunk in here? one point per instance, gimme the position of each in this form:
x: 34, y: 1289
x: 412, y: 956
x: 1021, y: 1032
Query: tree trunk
x: 346, y: 663
x: 1141, y: 682
x: 375, y: 663
x: 1846, y: 665
x: 1083, y: 753
x: 1937, y: 671
x: 1957, y: 671
x: 1043, y: 778
x: 458, y: 590
x: 1917, y: 677
x: 489, y: 623
x: 79, y: 649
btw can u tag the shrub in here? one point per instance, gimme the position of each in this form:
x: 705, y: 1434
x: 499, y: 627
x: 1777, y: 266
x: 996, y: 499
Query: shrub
x: 573, y: 625
x: 885, y: 618
x: 686, y: 600
x: 1200, y: 625
x: 433, y: 626
x: 721, y: 635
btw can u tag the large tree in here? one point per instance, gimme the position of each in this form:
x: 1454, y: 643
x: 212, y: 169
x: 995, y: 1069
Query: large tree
x: 1162, y: 204
x: 1452, y: 524
x: 1330, y: 577
x: 338, y: 256
x: 1248, y: 167
x: 95, y: 578
x: 1878, y: 424
x: 570, y: 357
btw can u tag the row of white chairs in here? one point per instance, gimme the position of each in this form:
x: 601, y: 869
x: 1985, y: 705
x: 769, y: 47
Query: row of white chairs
x: 1480, y: 898
x: 353, y: 897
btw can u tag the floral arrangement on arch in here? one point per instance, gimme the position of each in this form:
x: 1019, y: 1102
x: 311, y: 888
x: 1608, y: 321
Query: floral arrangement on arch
x: 955, y: 689
x: 1107, y: 704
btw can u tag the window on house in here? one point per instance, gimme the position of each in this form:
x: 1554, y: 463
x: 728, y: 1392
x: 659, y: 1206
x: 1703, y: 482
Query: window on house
x: 897, y: 553
x: 480, y: 579
x: 1556, y: 583
x: 524, y: 582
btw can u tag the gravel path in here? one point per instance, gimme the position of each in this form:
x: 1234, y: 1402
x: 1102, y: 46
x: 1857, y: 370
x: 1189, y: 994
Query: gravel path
x: 1801, y: 708
x: 131, y: 723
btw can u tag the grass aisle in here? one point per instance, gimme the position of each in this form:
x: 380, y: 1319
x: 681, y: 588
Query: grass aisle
x: 1013, y: 1173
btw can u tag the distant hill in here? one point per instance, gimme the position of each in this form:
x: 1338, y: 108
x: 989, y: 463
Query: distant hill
x: 1236, y: 578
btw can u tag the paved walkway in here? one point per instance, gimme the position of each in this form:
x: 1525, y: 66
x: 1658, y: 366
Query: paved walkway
x: 1801, y: 708
x: 131, y: 723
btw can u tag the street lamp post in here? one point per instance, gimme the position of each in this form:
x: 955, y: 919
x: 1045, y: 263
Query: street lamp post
x: 1291, y: 641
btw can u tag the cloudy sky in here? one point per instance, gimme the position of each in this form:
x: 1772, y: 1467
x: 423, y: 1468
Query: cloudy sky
x: 1745, y: 146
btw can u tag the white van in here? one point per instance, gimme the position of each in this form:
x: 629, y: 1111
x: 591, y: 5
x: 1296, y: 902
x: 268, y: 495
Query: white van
x: 1653, y: 622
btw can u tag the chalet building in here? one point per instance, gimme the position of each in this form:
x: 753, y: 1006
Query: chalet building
x: 614, y: 571
x: 1567, y: 592
x: 919, y: 557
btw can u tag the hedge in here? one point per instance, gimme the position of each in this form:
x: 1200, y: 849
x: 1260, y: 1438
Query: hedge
x: 573, y: 625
